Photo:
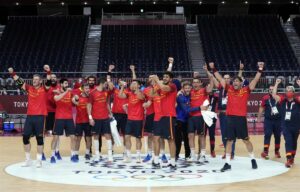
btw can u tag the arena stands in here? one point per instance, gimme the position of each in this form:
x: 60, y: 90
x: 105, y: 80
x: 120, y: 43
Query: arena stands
x: 146, y: 46
x: 229, y: 39
x: 30, y: 42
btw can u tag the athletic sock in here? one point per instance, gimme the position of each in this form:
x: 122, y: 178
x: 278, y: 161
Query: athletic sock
x: 156, y: 159
x: 27, y: 156
x: 173, y: 162
x: 228, y: 158
x: 251, y: 155
x: 96, y: 146
x: 38, y: 157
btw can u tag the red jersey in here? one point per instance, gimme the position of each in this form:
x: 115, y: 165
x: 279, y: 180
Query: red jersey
x: 157, y: 107
x: 197, y: 99
x: 99, y: 101
x: 50, y: 99
x: 150, y: 109
x: 118, y: 102
x: 168, y: 101
x: 37, y: 99
x: 135, y: 107
x: 237, y: 100
x: 64, y: 106
x: 81, y: 111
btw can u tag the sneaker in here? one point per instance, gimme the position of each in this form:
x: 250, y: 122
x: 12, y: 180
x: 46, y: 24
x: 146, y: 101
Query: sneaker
x: 213, y: 154
x: 138, y: 159
x: 87, y: 157
x: 52, y: 159
x: 97, y: 159
x: 172, y: 167
x: 38, y: 164
x: 164, y: 158
x: 232, y: 157
x: 289, y: 163
x: 264, y: 155
x: 147, y: 158
x: 203, y: 159
x: 57, y: 155
x: 43, y: 157
x: 226, y: 167
x: 277, y: 154
x: 155, y: 165
x: 73, y: 158
x: 191, y: 159
x: 254, y: 164
x: 27, y: 163
x: 127, y: 160
x: 76, y: 157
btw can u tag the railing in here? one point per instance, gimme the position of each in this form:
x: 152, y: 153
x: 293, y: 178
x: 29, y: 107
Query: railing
x: 146, y: 15
x: 264, y: 82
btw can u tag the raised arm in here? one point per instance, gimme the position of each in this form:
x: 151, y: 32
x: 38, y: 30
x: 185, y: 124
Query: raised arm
x: 132, y: 68
x: 254, y: 81
x: 241, y: 70
x: 209, y: 87
x: 19, y: 81
x: 109, y: 73
x: 274, y: 92
x: 298, y: 83
x: 217, y: 74
x: 48, y: 81
x: 171, y: 61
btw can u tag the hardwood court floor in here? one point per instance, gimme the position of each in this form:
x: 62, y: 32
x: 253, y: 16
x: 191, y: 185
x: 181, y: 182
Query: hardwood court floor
x: 11, y: 151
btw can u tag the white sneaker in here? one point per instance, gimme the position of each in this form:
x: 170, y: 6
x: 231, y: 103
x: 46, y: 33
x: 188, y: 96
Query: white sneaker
x: 191, y: 159
x: 127, y: 159
x: 38, y: 163
x: 27, y: 163
x: 138, y: 159
x: 97, y: 158
x: 203, y: 159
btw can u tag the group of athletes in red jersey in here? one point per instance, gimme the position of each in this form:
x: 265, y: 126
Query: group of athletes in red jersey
x: 152, y: 110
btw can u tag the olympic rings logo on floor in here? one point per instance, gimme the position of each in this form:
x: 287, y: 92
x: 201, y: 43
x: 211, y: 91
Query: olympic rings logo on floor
x: 153, y: 177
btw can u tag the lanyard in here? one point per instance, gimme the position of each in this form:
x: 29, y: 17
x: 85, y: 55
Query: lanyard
x: 270, y: 102
x: 291, y: 108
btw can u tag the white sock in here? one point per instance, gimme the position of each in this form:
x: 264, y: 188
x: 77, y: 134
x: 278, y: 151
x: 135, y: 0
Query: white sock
x: 72, y: 153
x: 192, y: 152
x: 57, y: 144
x: 128, y: 153
x: 228, y: 158
x: 87, y: 151
x: 173, y: 162
x: 27, y: 156
x: 96, y: 146
x: 251, y: 155
x: 202, y: 152
x: 150, y: 152
x: 138, y: 153
x: 109, y: 144
x: 76, y: 152
x: 38, y: 157
x: 162, y: 151
x: 156, y: 159
x: 53, y: 153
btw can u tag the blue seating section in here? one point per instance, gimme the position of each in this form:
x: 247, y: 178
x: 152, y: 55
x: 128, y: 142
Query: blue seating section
x: 145, y: 46
x: 30, y: 42
x: 228, y: 39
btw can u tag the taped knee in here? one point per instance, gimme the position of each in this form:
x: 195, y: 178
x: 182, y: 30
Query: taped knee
x: 26, y: 139
x: 40, y: 140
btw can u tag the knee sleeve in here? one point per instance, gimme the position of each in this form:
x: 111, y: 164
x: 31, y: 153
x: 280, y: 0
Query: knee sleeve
x: 26, y: 139
x: 40, y: 140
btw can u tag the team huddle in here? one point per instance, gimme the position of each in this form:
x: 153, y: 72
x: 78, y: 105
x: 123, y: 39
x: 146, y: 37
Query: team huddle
x: 165, y: 109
